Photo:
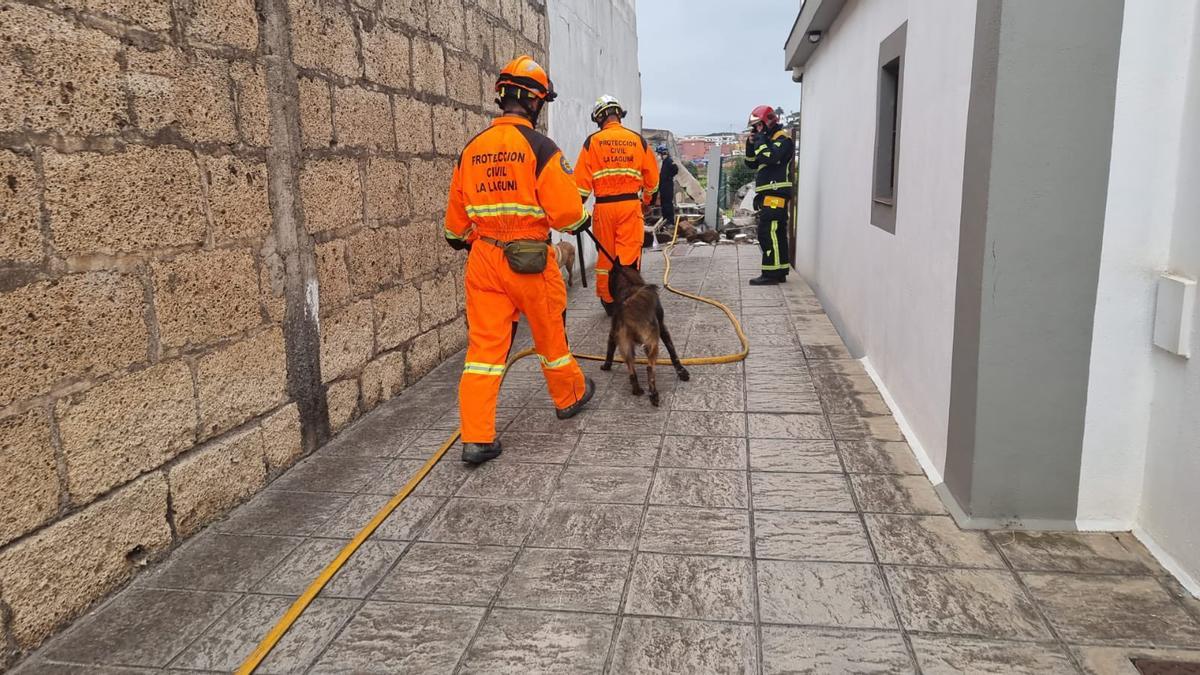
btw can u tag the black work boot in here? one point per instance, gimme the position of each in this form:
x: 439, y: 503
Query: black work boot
x: 570, y: 411
x: 478, y: 453
x: 764, y: 280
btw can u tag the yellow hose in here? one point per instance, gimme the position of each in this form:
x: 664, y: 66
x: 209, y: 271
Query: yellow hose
x: 293, y: 613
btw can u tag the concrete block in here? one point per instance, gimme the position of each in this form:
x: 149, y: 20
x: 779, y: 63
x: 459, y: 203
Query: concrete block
x: 363, y: 119
x: 382, y: 379
x: 438, y: 301
x: 487, y: 96
x: 429, y: 67
x: 316, y: 113
x: 510, y: 12
x: 323, y: 37
x: 189, y: 93
x: 333, y: 275
x: 492, y: 7
x: 449, y: 130
x: 330, y: 190
x: 222, y: 22
x: 414, y: 130
x: 346, y: 340
x: 68, y: 79
x: 152, y: 15
x: 240, y: 382
x: 480, y: 38
x: 387, y: 191
x: 31, y: 489
x: 453, y: 337
x: 20, y: 212
x: 398, y: 315
x: 237, y: 199
x: 117, y: 430
x: 343, y: 403
x: 424, y: 353
x: 411, y: 13
x: 418, y: 244
x: 282, y: 444
x: 215, y: 478
x: 374, y: 256
x: 141, y: 199
x: 53, y: 576
x: 205, y: 296
x: 506, y: 46
x: 250, y: 92
x: 386, y: 57
x: 430, y: 185
x: 462, y: 78
x: 79, y: 326
x: 447, y: 20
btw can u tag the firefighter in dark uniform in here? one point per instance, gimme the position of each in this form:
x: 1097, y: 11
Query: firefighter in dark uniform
x: 769, y: 151
x: 666, y: 184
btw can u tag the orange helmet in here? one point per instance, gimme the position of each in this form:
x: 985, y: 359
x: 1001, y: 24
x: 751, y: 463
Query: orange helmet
x: 765, y: 114
x: 525, y: 73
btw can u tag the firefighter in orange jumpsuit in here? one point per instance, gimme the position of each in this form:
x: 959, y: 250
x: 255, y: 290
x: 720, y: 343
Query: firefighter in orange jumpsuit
x: 616, y: 165
x: 512, y: 184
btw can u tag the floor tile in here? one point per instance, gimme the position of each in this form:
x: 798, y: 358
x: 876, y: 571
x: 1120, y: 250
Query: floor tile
x: 443, y: 479
x: 694, y: 530
x: 409, y: 518
x: 986, y: 603
x: 584, y: 581
x: 402, y: 638
x: 950, y: 655
x: 370, y: 439
x: 699, y: 487
x: 321, y: 473
x: 794, y: 398
x: 227, y: 643
x: 613, y: 450
x: 703, y: 453
x: 360, y: 574
x: 219, y: 562
x: 776, y: 454
x: 649, y: 421
x: 929, y: 540
x: 482, y: 521
x: 721, y: 393
x: 788, y: 649
x: 1073, y: 552
x: 678, y: 646
x: 690, y: 423
x: 140, y: 628
x: 896, y: 494
x: 447, y: 573
x: 823, y: 594
x: 582, y: 525
x: 855, y: 428
x: 800, y: 492
x: 793, y: 427
x: 1116, y: 609
x: 1118, y: 660
x: 691, y: 587
x: 878, y: 457
x: 497, y: 480
x: 284, y: 513
x: 810, y: 535
x: 523, y: 641
x: 610, y: 485
x: 535, y: 447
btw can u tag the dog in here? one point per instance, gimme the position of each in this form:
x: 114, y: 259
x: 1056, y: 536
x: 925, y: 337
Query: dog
x: 565, y: 251
x: 638, y: 320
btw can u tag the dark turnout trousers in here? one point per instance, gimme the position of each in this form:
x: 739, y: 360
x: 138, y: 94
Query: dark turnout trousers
x: 773, y: 237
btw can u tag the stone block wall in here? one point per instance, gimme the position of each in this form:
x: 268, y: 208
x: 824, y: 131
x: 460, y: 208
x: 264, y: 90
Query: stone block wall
x: 220, y: 242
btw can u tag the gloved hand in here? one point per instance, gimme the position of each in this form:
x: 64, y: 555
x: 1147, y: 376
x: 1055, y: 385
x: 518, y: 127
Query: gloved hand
x: 758, y: 139
x: 458, y: 244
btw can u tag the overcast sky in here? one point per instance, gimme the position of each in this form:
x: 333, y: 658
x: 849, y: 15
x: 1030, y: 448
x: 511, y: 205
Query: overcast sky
x: 706, y: 63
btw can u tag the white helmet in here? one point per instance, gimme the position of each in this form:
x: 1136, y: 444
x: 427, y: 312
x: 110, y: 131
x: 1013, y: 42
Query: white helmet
x: 604, y: 107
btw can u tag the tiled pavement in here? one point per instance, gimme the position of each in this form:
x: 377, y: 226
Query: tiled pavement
x: 767, y: 518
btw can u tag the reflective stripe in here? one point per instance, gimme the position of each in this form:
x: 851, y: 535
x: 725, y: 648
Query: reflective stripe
x: 773, y: 186
x: 761, y: 150
x: 584, y: 193
x: 483, y: 368
x: 450, y: 234
x: 775, y: 241
x: 600, y: 271
x: 556, y: 363
x: 483, y: 210
x: 771, y: 268
x: 574, y: 226
x: 617, y: 172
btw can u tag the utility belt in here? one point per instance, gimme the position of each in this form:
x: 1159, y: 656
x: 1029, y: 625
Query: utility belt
x: 625, y: 197
x: 773, y: 202
x: 524, y: 256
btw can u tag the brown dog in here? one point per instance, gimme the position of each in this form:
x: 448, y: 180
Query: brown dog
x: 565, y: 251
x: 638, y: 320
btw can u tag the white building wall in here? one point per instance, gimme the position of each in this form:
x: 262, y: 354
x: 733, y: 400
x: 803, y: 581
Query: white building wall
x: 891, y: 296
x: 1147, y: 131
x: 593, y: 51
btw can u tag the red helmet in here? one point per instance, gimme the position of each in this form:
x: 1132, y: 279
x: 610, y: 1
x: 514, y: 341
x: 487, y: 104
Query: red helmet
x: 525, y: 73
x: 765, y: 114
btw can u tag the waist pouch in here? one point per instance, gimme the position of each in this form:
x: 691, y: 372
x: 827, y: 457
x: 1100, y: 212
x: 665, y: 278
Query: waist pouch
x: 774, y: 202
x: 524, y: 256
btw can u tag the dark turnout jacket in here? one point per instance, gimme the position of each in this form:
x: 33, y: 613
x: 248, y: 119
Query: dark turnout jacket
x: 770, y: 155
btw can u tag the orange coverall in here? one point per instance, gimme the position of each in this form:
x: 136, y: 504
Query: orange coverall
x: 511, y: 182
x: 615, y: 163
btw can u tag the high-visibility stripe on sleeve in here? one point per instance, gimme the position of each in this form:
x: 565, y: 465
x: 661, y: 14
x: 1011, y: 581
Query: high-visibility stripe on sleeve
x: 617, y: 172
x: 584, y: 193
x: 575, y: 225
x: 600, y: 271
x: 510, y: 209
x: 560, y: 362
x: 762, y: 149
x: 451, y: 235
x: 476, y: 368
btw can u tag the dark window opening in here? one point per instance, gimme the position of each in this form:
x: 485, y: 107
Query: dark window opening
x: 887, y: 130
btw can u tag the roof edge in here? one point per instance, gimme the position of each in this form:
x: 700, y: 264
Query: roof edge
x: 814, y: 16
